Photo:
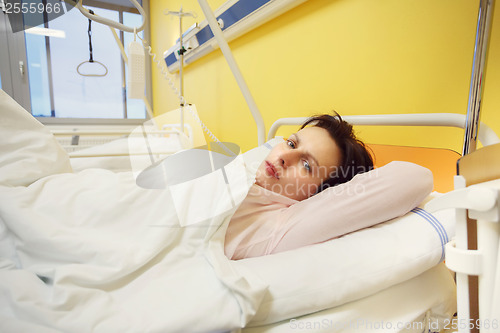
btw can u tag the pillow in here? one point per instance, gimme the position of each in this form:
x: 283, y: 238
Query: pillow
x: 28, y: 151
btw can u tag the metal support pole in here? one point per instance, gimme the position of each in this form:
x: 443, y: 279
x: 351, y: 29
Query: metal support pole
x: 226, y: 51
x: 181, y: 65
x: 477, y: 77
x: 181, y: 14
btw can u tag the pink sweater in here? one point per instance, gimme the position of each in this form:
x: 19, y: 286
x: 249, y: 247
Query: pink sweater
x: 267, y: 222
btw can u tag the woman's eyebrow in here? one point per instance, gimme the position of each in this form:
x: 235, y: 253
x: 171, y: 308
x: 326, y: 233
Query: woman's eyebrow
x: 297, y: 138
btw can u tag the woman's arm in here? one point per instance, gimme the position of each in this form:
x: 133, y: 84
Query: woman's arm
x: 368, y: 199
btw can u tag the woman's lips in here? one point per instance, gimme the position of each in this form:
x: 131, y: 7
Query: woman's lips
x: 271, y: 170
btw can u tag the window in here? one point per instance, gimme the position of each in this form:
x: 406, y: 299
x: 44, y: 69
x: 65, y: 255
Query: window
x: 57, y: 90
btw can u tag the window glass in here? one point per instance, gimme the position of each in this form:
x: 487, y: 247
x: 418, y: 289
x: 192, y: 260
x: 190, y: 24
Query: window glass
x: 86, y: 96
x: 36, y: 54
x: 64, y: 83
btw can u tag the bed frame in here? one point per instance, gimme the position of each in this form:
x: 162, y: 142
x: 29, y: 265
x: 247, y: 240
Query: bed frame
x: 76, y: 140
x: 475, y: 252
x: 486, y: 135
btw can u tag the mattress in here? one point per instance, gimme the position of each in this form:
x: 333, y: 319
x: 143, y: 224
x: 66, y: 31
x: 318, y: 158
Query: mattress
x: 424, y: 303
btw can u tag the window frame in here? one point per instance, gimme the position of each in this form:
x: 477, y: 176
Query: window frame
x: 13, y: 56
x: 18, y: 85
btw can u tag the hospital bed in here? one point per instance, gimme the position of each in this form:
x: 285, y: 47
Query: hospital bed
x: 93, y: 248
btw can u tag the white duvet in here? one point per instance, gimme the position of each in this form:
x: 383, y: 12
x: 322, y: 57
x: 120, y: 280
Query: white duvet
x: 95, y: 249
x: 94, y: 252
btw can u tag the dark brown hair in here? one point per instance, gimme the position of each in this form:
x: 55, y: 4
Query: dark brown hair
x: 356, y: 157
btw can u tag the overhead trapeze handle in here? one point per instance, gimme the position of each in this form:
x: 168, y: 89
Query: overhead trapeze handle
x: 91, y: 56
x: 92, y: 62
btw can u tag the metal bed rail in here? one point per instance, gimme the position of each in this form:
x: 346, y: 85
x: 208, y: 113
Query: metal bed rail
x: 75, y: 141
x: 486, y: 135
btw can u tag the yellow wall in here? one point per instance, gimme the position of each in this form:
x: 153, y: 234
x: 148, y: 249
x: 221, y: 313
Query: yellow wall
x: 354, y: 56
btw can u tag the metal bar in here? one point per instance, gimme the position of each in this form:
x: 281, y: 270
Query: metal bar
x: 226, y: 51
x: 106, y: 132
x: 485, y: 15
x: 181, y: 67
x: 81, y: 153
x: 412, y: 119
x: 49, y: 66
x: 486, y: 135
x: 123, y: 64
x: 181, y: 50
x: 147, y: 36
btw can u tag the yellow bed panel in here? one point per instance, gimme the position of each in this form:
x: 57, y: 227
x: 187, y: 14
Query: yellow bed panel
x: 442, y: 162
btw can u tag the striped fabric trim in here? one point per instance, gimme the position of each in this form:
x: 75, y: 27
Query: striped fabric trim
x: 434, y: 222
x: 268, y: 146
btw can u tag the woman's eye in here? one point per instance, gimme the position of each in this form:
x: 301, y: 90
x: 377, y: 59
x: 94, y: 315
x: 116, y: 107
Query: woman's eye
x: 307, y: 165
x: 290, y: 143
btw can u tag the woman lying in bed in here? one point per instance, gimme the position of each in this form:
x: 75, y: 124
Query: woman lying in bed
x: 303, y: 193
x: 317, y: 185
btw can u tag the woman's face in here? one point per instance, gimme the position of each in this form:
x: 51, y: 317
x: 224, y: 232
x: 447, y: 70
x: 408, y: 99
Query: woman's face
x: 296, y: 167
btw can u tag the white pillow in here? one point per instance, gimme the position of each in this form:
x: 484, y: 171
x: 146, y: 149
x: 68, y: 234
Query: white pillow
x: 28, y: 151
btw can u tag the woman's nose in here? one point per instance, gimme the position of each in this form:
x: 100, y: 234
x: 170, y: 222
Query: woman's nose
x: 289, y: 158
